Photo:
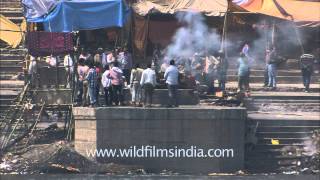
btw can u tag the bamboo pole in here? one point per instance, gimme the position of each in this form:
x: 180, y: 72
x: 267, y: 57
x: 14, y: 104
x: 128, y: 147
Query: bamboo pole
x: 224, y: 34
x: 273, y: 34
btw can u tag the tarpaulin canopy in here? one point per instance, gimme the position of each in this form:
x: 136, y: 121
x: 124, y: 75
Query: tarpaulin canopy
x: 74, y: 15
x: 300, y: 11
x: 207, y: 7
x: 10, y: 32
x: 34, y: 9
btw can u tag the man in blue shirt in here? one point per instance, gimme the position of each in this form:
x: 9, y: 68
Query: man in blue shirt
x: 171, y: 76
x: 243, y: 72
x: 92, y: 79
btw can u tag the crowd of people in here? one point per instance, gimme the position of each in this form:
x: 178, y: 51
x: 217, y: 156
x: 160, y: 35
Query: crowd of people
x: 109, y: 73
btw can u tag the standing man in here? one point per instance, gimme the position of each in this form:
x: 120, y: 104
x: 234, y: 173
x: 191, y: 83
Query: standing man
x: 106, y: 83
x: 209, y: 72
x: 82, y: 71
x: 243, y: 73
x: 266, y: 77
x: 306, y: 64
x: 272, y: 68
x: 32, y: 71
x: 68, y: 65
x: 126, y: 64
x: 117, y: 81
x: 148, y: 82
x: 135, y: 87
x: 171, y: 76
x: 92, y: 78
x: 197, y: 67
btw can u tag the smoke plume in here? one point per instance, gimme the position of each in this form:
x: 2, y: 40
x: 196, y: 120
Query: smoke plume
x: 193, y: 37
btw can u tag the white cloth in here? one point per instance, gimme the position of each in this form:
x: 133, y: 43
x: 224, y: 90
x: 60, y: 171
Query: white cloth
x: 104, y: 60
x: 105, y: 81
x: 52, y: 61
x: 171, y: 75
x: 148, y: 76
x: 68, y: 63
x: 32, y: 66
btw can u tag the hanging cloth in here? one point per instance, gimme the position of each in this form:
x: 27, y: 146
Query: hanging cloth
x: 49, y: 43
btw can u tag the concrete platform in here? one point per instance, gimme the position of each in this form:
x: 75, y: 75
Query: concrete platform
x: 160, y: 96
x: 203, y: 127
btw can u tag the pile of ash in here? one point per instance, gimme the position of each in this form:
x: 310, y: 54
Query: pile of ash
x: 309, y: 156
x: 46, y: 151
x: 57, y: 158
x: 229, y: 99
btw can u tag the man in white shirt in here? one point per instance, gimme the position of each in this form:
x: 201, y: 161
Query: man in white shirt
x: 171, y: 76
x: 68, y: 65
x: 135, y: 86
x: 148, y: 82
x: 106, y: 83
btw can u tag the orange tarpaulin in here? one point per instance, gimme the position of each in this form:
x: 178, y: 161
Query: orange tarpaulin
x: 10, y: 32
x: 296, y: 10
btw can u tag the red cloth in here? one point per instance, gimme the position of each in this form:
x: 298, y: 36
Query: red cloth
x: 49, y: 43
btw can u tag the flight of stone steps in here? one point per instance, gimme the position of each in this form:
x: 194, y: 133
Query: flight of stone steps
x: 11, y: 60
x: 284, y: 117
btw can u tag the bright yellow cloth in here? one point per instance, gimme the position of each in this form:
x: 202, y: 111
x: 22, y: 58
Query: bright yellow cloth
x: 275, y: 142
x: 10, y: 32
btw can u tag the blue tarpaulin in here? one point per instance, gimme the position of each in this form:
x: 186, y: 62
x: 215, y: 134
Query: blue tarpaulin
x: 34, y: 9
x: 74, y: 15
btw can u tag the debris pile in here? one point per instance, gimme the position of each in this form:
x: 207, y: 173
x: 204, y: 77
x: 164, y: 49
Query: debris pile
x: 46, y: 151
x: 58, y: 157
x: 229, y: 99
x: 307, y: 159
x: 312, y: 150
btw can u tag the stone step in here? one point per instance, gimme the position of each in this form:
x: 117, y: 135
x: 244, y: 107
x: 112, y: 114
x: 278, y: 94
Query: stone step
x: 12, y: 68
x: 286, y: 128
x: 11, y: 76
x: 11, y: 1
x: 275, y: 158
x: 284, y: 96
x: 280, y: 79
x: 258, y: 87
x: 290, y: 140
x: 275, y: 135
x: 271, y: 165
x: 12, y: 13
x: 9, y: 56
x: 278, y: 122
x: 286, y: 101
x: 16, y: 51
x: 8, y: 95
x: 6, y: 101
x: 285, y: 107
x: 11, y: 84
x: 269, y: 153
x: 271, y: 147
x: 5, y: 63
x: 260, y: 72
x: 10, y: 4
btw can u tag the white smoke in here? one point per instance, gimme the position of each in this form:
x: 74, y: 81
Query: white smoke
x: 193, y: 37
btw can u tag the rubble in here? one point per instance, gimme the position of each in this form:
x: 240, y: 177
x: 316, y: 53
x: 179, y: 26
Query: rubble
x: 309, y: 156
x: 229, y: 99
x: 46, y: 151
